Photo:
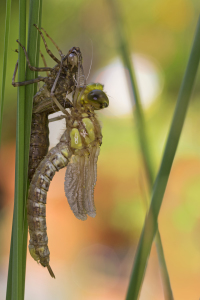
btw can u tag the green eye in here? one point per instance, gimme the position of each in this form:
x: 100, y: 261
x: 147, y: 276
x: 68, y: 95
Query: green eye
x: 98, y: 99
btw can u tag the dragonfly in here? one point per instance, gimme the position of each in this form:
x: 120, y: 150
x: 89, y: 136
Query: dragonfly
x: 78, y: 149
x: 51, y: 97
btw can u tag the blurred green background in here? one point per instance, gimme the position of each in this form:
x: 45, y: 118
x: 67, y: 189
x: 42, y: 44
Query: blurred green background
x: 93, y: 259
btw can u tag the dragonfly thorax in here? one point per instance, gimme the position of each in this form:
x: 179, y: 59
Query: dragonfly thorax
x: 84, y: 129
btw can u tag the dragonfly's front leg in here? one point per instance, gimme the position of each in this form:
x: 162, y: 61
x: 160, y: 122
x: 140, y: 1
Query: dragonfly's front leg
x: 46, y: 47
x: 26, y: 82
x: 29, y: 64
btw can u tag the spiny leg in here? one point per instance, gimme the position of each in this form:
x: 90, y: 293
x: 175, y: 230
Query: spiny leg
x: 44, y: 61
x: 46, y: 47
x: 26, y: 82
x: 53, y: 88
x: 57, y: 77
x: 29, y: 64
x: 14, y: 74
x: 59, y: 105
x: 38, y: 79
x: 57, y: 118
x: 60, y: 52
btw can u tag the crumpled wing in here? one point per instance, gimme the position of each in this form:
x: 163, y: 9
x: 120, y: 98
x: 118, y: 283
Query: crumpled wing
x: 80, y: 180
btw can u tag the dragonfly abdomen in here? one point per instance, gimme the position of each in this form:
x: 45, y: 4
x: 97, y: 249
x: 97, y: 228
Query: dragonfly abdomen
x: 57, y: 158
x: 39, y: 141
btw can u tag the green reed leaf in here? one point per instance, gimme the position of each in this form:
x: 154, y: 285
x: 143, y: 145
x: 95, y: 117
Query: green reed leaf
x: 150, y: 226
x: 5, y: 53
x: 142, y: 135
x: 17, y: 262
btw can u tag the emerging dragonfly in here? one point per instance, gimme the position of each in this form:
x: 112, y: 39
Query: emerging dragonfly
x: 78, y: 149
x: 60, y: 81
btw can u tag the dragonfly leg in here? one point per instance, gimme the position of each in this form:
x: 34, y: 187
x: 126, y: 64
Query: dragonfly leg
x: 29, y: 64
x: 57, y: 118
x: 38, y: 79
x: 44, y: 61
x: 59, y: 105
x: 46, y: 47
x: 60, y: 52
x: 15, y: 72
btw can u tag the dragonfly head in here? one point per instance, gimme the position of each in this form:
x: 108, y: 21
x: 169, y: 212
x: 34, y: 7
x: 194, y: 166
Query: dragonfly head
x: 72, y: 59
x: 94, y: 96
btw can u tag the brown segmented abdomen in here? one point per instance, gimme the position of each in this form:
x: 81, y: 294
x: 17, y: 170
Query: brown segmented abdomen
x: 57, y: 158
x: 39, y: 141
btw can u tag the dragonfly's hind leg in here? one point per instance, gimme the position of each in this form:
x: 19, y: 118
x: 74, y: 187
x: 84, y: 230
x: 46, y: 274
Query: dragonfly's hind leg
x: 46, y: 47
x: 38, y: 79
x: 29, y: 64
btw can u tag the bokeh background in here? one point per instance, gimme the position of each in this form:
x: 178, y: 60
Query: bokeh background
x: 93, y: 259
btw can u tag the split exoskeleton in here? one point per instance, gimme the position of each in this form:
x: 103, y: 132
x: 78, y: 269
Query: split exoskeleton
x: 59, y: 82
x: 78, y: 149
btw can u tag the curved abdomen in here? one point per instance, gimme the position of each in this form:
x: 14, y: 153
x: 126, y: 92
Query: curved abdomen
x: 57, y: 158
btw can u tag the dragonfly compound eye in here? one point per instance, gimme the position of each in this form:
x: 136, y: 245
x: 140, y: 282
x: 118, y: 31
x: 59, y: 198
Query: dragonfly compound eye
x: 98, y: 99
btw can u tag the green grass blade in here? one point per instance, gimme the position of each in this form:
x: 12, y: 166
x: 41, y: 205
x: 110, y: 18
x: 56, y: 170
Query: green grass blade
x: 7, y: 27
x: 142, y: 136
x: 17, y: 262
x: 9, y: 279
x: 35, y: 14
x: 150, y: 225
x: 15, y: 283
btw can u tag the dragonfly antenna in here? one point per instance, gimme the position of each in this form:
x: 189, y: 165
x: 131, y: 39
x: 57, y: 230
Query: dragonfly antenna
x: 91, y: 60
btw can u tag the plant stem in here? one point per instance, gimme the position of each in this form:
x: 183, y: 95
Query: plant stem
x: 150, y: 225
x: 142, y: 136
x: 5, y: 54
x: 17, y: 262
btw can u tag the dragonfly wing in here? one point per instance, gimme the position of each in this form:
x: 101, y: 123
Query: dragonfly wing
x: 74, y: 182
x: 90, y: 181
x: 80, y: 180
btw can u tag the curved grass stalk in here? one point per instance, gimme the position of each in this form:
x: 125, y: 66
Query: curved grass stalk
x: 142, y: 137
x: 151, y: 226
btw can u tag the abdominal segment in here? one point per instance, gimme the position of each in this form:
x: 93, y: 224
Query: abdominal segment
x: 57, y: 158
x: 39, y: 141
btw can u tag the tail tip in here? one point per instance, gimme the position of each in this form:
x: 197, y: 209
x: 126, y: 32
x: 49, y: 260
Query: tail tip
x: 51, y: 271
